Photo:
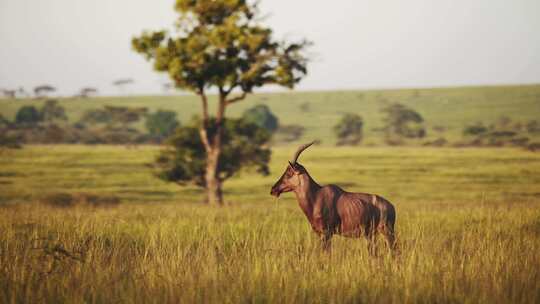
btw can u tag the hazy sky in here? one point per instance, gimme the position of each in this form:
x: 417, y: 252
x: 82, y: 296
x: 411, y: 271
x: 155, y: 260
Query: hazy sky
x: 358, y: 43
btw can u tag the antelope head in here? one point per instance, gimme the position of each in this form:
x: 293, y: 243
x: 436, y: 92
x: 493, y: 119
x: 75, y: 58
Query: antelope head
x: 292, y: 177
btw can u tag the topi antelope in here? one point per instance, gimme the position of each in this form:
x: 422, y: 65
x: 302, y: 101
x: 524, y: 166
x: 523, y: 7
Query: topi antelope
x: 331, y: 210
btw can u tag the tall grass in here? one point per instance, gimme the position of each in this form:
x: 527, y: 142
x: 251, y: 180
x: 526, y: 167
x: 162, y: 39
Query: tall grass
x: 457, y: 245
x: 191, y: 254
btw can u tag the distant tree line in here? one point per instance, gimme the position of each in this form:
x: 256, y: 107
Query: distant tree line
x: 400, y: 123
x: 49, y: 124
x: 44, y: 91
x: 503, y: 132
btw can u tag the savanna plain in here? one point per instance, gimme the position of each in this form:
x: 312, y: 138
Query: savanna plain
x: 468, y: 220
x: 468, y: 228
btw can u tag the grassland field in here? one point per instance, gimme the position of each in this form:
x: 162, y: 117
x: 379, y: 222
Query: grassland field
x: 468, y: 229
x: 468, y: 219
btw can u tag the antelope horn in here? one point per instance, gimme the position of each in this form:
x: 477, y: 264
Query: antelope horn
x: 300, y: 150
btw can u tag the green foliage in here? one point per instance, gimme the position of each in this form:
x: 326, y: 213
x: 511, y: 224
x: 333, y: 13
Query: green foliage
x: 51, y: 112
x: 161, y: 124
x: 349, y: 129
x: 96, y: 116
x: 114, y: 117
x: 185, y: 158
x: 475, y: 129
x: 503, y: 132
x: 289, y: 133
x: 261, y: 116
x: 450, y: 109
x: 122, y: 117
x: 402, y: 121
x: 28, y: 115
x: 219, y: 43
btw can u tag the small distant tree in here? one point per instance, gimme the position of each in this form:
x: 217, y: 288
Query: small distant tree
x: 123, y: 117
x: 289, y: 133
x: 96, y: 116
x: 475, y: 129
x: 52, y: 112
x: 161, y: 124
x: 27, y: 116
x: 221, y: 44
x: 402, y: 122
x: 87, y: 92
x: 42, y: 91
x: 113, y: 117
x: 349, y: 129
x: 9, y: 93
x: 183, y: 160
x: 122, y: 83
x: 262, y: 116
x: 305, y: 107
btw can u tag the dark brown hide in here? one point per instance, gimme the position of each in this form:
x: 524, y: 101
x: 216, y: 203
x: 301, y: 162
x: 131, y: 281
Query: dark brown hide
x: 331, y: 210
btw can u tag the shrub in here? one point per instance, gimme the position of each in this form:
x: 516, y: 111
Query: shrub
x: 96, y: 116
x: 402, y: 121
x: 349, y: 130
x: 261, y: 116
x: 27, y: 115
x: 51, y: 111
x: 161, y: 124
x: 289, y: 133
x: 439, y: 142
x: 305, y: 107
x: 475, y: 129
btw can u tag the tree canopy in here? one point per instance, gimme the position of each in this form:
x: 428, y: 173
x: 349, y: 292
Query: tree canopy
x: 220, y: 43
x: 28, y: 115
x: 184, y: 161
x: 262, y: 116
x: 402, y: 121
x: 349, y: 129
x: 162, y: 123
x: 52, y: 111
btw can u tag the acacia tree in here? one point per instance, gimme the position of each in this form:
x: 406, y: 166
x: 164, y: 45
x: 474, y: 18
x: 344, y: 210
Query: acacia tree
x: 221, y: 45
x: 42, y: 90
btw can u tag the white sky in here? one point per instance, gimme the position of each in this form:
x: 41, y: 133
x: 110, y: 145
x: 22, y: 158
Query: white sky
x: 358, y: 43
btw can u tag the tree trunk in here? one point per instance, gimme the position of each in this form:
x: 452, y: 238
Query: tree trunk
x: 214, y: 195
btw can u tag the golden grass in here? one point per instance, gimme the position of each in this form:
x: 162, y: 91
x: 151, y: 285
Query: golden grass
x: 468, y: 228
